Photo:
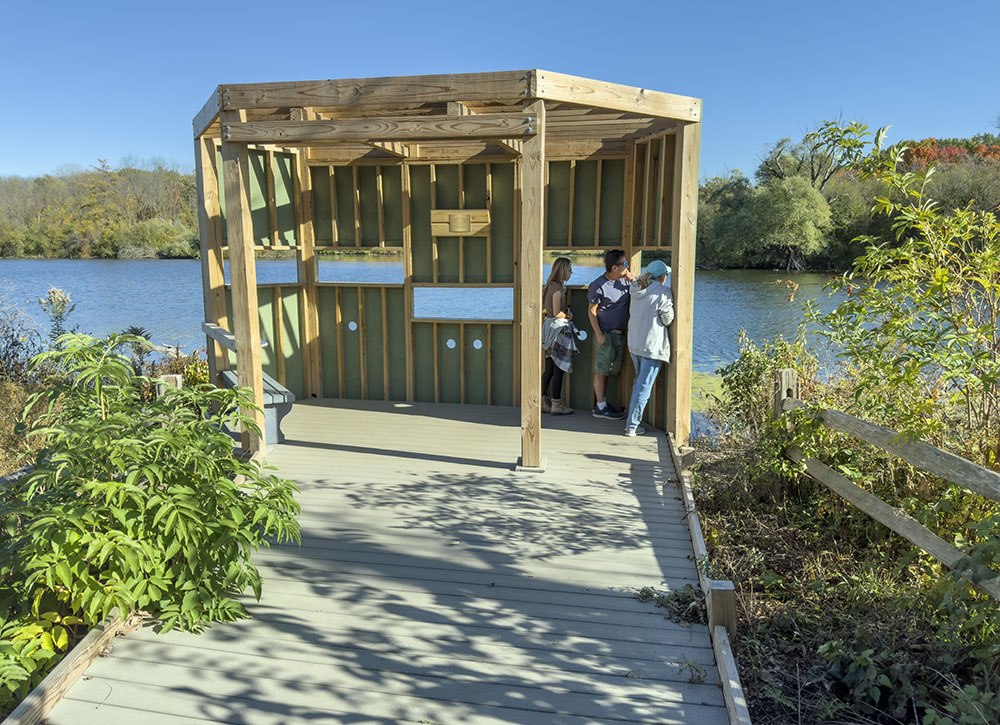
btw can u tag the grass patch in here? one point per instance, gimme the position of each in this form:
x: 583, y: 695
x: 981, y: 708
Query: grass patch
x: 705, y: 389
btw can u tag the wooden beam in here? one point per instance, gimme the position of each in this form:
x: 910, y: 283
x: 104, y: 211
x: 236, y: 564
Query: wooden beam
x: 34, y: 708
x: 729, y: 676
x: 532, y: 239
x: 392, y: 128
x: 208, y: 113
x: 584, y: 91
x: 514, y: 145
x: 407, y: 280
x: 397, y: 91
x: 213, y: 280
x: 243, y: 272
x: 684, y: 227
x: 458, y: 151
x: 307, y: 272
x: 395, y: 148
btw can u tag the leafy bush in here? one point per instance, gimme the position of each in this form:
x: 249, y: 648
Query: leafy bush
x: 133, y: 503
x: 842, y: 620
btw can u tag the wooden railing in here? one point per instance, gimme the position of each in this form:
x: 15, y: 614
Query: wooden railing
x: 720, y: 600
x: 924, y: 456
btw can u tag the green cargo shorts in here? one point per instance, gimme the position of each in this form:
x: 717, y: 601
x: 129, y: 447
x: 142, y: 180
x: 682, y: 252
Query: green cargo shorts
x: 608, y: 357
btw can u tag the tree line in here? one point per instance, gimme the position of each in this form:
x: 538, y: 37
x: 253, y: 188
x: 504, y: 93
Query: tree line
x: 806, y: 206
x: 140, y: 210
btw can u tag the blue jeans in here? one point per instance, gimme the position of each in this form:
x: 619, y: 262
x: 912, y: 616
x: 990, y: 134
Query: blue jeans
x: 646, y: 370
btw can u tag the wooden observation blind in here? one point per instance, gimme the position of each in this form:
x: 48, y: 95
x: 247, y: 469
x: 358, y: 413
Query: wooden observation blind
x: 470, y: 177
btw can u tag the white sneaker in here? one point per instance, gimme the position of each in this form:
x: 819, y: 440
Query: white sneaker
x: 633, y: 432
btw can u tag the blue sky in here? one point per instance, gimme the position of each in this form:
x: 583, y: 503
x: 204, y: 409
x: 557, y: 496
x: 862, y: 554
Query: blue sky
x: 106, y: 80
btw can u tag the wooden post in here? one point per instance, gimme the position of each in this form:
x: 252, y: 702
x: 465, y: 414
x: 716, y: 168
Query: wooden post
x: 684, y: 227
x: 407, y: 278
x: 307, y: 271
x: 243, y: 272
x: 722, y: 605
x: 530, y: 283
x: 213, y: 280
x: 786, y: 385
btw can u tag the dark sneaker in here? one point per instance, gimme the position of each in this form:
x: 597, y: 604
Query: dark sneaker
x: 609, y: 413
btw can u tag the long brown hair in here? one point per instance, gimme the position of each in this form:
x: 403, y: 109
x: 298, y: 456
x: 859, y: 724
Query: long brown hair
x: 558, y: 273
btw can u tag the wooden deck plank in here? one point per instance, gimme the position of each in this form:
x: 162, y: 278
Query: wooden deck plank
x: 264, y: 639
x: 223, y: 679
x: 435, y: 584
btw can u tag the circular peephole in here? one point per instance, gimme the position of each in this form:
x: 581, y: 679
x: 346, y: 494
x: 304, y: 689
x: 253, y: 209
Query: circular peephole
x: 450, y: 343
x: 352, y: 325
x: 478, y: 344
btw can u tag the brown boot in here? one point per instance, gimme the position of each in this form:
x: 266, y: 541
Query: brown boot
x: 546, y: 404
x: 559, y: 408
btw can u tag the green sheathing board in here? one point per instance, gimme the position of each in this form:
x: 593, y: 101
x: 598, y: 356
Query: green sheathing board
x: 222, y: 194
x: 584, y: 203
x: 322, y: 223
x: 352, y: 342
x: 423, y: 361
x: 446, y: 197
x: 502, y: 223
x: 449, y: 363
x: 284, y: 193
x: 503, y: 364
x: 343, y: 181
x: 420, y: 224
x: 371, y: 333
x: 327, y: 304
x: 612, y: 200
x: 475, y: 364
x: 557, y: 209
x: 291, y: 343
x: 392, y: 204
x: 368, y: 196
x: 474, y: 262
x: 580, y: 383
x: 612, y: 183
x: 265, y: 306
x: 261, y: 223
x: 396, y: 304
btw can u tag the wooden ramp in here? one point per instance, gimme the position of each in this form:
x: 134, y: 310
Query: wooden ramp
x: 436, y: 585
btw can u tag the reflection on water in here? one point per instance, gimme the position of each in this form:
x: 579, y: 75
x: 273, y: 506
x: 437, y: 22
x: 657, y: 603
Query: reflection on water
x: 165, y: 297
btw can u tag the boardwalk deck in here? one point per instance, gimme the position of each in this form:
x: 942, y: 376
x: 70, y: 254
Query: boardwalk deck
x: 436, y: 585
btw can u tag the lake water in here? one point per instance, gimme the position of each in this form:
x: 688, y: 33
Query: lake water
x: 165, y: 297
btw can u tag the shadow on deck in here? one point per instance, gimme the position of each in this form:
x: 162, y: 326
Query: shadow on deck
x: 434, y: 584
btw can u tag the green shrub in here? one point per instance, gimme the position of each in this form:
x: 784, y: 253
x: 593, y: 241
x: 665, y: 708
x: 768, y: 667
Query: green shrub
x: 133, y: 503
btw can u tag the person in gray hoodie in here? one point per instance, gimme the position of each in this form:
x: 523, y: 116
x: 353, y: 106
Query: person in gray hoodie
x: 651, y: 310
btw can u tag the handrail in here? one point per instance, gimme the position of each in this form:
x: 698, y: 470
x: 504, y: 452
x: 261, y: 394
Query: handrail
x: 941, y: 463
x: 223, y: 336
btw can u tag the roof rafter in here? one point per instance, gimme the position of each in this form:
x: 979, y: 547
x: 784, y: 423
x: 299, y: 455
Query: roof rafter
x: 400, y: 128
